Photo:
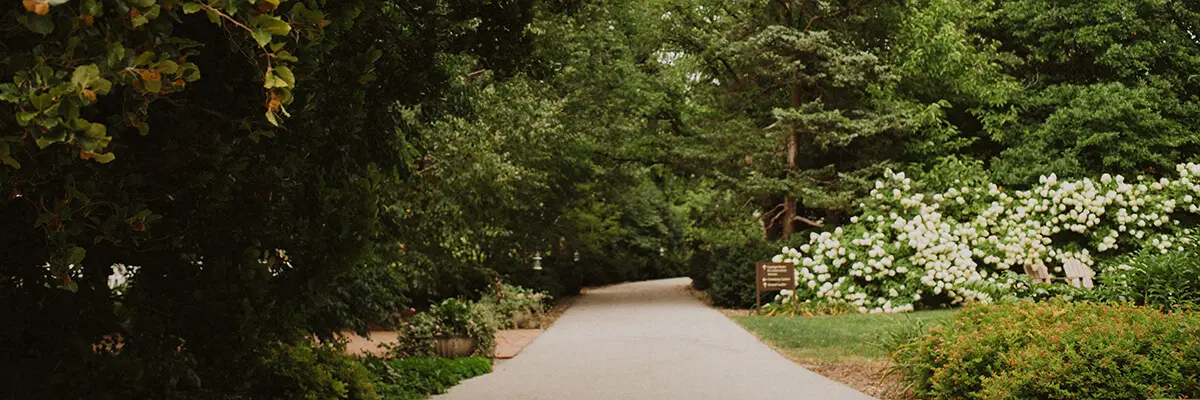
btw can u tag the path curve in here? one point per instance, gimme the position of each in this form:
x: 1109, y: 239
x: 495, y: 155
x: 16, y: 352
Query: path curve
x: 648, y: 340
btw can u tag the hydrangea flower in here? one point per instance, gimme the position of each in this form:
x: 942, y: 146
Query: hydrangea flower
x: 908, y: 248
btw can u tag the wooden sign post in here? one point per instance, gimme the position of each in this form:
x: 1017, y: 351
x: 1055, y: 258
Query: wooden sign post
x: 770, y: 276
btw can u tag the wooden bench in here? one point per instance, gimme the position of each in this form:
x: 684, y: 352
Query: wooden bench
x: 1078, y: 274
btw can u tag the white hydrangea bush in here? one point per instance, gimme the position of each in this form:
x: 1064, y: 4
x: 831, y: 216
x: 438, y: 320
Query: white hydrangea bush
x: 909, y: 249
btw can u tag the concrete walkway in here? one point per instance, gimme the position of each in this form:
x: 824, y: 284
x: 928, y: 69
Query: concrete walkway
x: 648, y: 340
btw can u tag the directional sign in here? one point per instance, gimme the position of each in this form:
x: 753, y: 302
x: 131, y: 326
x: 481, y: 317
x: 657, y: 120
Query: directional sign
x: 775, y: 276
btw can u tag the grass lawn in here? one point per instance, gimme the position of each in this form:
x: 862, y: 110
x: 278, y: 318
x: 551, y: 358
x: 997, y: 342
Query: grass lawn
x: 845, y: 348
x: 851, y: 338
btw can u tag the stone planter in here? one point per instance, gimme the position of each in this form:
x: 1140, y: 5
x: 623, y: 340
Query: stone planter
x: 453, y: 346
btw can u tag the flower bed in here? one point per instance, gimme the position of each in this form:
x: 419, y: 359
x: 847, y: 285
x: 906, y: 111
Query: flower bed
x: 910, y: 249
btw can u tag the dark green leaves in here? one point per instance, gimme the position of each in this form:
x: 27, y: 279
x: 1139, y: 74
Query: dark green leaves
x: 40, y: 24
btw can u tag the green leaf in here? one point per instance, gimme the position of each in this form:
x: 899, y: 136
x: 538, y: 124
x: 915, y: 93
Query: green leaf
x: 261, y: 36
x: 143, y: 129
x: 104, y: 158
x: 139, y: 21
x: 92, y: 7
x: 42, y: 101
x: 189, y: 72
x: 213, y: 16
x: 270, y: 81
x: 272, y: 118
x: 286, y: 56
x: 285, y: 74
x: 189, y: 8
x: 143, y: 3
x: 75, y: 255
x: 93, y: 130
x: 85, y: 74
x: 6, y: 157
x: 116, y: 54
x: 167, y: 67
x: 152, y: 86
x: 39, y: 24
x: 143, y: 59
x: 88, y: 77
x: 23, y: 118
x: 270, y: 23
x: 43, y: 142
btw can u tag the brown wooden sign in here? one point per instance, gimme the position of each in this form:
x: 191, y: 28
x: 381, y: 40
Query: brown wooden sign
x: 776, y: 276
x: 770, y: 276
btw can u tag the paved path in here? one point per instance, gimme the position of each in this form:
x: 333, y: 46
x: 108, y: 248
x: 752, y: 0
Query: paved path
x: 648, y: 340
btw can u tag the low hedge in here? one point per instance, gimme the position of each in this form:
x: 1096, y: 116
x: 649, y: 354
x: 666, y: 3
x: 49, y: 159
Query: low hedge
x: 726, y: 271
x: 1055, y: 350
x: 419, y: 377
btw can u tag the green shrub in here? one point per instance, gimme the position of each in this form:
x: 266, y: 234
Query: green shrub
x: 508, y: 302
x: 699, y: 267
x: 318, y: 371
x: 416, y: 378
x: 1168, y: 280
x: 1055, y: 350
x: 731, y: 274
x: 448, y: 318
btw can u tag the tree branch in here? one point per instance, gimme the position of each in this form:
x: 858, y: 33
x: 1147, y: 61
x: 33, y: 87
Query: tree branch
x: 840, y: 11
x: 776, y: 218
x: 809, y: 221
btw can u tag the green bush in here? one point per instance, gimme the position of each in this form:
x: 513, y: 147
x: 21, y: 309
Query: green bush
x: 731, y: 272
x: 508, y: 302
x: 1168, y: 280
x: 317, y: 372
x: 416, y: 378
x: 448, y: 318
x: 699, y: 267
x: 1055, y: 350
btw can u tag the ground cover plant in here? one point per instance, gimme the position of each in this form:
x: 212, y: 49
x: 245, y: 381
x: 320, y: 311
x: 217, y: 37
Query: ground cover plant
x: 418, y: 377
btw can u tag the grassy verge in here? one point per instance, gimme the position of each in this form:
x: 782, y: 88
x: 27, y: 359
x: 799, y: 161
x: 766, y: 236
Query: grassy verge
x: 840, y: 338
x: 845, y: 348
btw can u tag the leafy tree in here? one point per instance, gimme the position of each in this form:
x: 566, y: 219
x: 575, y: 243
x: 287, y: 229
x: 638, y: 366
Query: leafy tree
x: 244, y: 229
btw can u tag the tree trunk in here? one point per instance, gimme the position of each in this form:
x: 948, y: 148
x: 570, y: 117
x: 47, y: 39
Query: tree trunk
x: 793, y: 158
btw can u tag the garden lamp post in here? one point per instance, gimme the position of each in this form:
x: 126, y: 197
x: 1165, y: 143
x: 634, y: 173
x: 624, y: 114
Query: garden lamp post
x: 537, y: 261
